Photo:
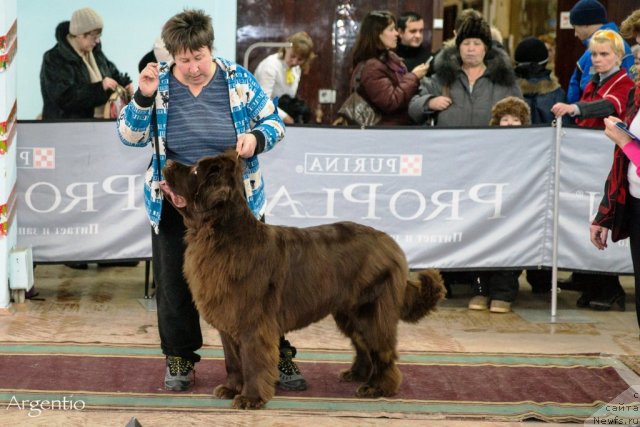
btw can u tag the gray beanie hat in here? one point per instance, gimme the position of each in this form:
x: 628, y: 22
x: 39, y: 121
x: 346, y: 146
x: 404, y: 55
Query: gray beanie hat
x: 84, y: 20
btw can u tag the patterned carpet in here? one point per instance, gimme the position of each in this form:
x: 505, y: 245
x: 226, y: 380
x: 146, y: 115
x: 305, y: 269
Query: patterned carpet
x: 513, y: 387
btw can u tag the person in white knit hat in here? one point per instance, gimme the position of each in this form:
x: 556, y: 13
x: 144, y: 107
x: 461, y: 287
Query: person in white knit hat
x: 76, y: 78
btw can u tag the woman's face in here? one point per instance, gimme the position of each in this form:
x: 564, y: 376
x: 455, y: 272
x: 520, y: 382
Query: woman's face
x: 472, y: 52
x: 291, y: 58
x: 603, y: 57
x: 389, y: 36
x: 88, y: 41
x: 195, y: 66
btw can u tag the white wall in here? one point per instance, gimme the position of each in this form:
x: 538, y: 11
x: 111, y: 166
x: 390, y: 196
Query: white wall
x: 130, y: 28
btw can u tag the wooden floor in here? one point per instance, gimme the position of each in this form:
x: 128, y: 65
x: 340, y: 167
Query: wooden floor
x: 106, y: 305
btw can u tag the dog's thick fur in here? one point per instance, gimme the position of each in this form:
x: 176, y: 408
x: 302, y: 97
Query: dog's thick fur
x: 254, y: 282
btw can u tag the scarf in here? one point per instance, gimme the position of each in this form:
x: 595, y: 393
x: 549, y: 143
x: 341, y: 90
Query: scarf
x: 94, y: 72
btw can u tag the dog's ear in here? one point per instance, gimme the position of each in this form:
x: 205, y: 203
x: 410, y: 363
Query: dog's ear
x: 238, y: 162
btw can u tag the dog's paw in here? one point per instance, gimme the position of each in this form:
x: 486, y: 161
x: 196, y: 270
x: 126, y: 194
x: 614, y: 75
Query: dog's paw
x: 224, y: 392
x: 243, y: 402
x: 370, y: 392
x: 351, y: 376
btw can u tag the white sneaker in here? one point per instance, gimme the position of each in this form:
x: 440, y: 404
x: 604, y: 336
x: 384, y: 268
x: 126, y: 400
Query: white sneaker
x: 479, y: 302
x: 498, y: 306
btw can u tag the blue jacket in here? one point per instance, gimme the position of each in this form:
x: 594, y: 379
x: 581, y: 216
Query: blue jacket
x: 582, y: 74
x: 251, y: 111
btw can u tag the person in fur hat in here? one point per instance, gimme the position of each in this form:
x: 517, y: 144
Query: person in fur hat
x: 510, y: 111
x: 468, y: 79
x: 496, y: 290
x: 539, y: 87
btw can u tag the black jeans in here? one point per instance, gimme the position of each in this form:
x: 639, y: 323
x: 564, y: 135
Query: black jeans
x: 178, y: 319
x: 634, y: 242
x: 498, y: 284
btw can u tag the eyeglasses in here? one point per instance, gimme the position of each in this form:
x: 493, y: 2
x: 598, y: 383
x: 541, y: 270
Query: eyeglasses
x: 95, y: 34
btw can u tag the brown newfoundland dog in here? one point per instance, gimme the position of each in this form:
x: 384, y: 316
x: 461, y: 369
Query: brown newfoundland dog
x: 254, y: 282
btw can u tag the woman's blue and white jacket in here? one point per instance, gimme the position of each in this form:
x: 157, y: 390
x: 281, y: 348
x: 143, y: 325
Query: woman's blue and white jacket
x: 251, y: 110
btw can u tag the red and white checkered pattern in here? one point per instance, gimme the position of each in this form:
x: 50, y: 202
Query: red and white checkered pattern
x: 411, y: 164
x: 44, y: 158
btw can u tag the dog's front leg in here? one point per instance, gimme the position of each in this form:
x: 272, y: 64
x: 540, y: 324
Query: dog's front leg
x: 233, y: 365
x: 259, y: 354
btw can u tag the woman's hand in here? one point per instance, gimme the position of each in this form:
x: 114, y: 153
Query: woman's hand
x: 420, y: 70
x: 598, y: 236
x: 109, y: 84
x: 149, y: 80
x: 560, y: 109
x: 439, y: 103
x: 614, y: 133
x: 246, y: 145
x: 288, y: 120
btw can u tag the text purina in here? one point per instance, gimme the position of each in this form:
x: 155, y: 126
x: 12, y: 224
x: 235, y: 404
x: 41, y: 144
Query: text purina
x: 344, y: 164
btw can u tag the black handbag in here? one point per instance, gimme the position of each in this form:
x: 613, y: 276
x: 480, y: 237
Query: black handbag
x: 356, y: 110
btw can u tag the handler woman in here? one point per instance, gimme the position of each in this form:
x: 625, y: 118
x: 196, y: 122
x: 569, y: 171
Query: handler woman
x: 204, y: 105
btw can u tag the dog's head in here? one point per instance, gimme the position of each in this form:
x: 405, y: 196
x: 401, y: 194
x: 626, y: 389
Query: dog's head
x: 207, y: 187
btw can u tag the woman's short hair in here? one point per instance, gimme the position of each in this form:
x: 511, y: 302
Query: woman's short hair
x: 189, y: 30
x: 608, y: 36
x: 368, y: 44
x: 302, y: 46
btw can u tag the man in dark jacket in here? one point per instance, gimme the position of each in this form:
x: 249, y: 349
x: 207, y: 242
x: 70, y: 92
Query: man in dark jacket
x: 76, y: 78
x: 410, y: 39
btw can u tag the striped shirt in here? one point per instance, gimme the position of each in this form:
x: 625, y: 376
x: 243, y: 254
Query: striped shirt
x: 199, y: 126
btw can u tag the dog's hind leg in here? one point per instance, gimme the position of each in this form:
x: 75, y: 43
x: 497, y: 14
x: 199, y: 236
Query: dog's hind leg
x: 259, y: 354
x: 379, y: 335
x: 386, y: 377
x: 233, y: 366
x: 360, y: 369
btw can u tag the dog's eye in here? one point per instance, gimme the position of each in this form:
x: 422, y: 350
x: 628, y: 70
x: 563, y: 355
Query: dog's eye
x: 195, y: 171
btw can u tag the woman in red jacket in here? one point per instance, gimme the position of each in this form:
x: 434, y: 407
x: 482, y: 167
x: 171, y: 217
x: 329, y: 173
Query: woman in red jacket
x: 605, y: 95
x: 380, y: 75
x: 619, y: 209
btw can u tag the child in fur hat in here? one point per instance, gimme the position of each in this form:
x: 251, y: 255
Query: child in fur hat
x: 510, y: 111
x: 497, y: 289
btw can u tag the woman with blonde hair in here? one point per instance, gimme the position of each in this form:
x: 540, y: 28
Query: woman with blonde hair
x: 279, y: 74
x: 605, y: 95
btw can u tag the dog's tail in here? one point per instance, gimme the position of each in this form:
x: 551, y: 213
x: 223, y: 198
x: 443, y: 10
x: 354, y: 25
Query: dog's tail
x: 424, y: 290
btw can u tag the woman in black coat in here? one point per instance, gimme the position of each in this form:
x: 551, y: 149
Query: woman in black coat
x: 76, y: 78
